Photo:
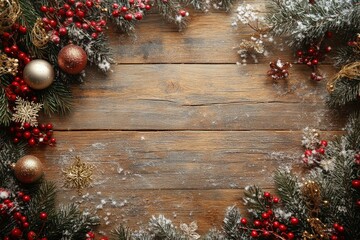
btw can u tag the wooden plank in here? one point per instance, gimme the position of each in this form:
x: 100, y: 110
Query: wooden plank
x: 199, y: 97
x: 173, y: 160
x: 134, y: 208
x: 209, y: 38
x: 184, y: 175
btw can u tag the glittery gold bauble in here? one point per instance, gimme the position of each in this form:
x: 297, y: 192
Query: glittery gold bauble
x: 72, y: 59
x: 28, y: 169
x: 39, y: 74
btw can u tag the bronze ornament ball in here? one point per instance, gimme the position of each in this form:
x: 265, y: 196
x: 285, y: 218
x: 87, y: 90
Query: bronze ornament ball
x: 28, y: 169
x: 39, y: 74
x: 72, y: 59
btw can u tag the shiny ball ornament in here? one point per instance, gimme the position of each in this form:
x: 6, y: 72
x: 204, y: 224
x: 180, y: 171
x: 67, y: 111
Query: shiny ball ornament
x: 72, y: 59
x: 39, y: 74
x: 28, y: 169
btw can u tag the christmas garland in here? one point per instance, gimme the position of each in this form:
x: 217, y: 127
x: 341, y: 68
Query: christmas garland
x: 62, y: 37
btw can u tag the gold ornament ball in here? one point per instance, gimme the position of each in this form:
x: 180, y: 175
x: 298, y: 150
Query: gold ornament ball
x: 72, y: 59
x: 28, y: 169
x: 39, y: 74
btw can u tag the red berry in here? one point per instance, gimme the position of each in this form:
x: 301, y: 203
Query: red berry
x: 128, y: 16
x: 276, y: 200
x: 299, y: 53
x: 308, y: 153
x: 25, y: 225
x: 31, y: 235
x: 94, y: 35
x: 257, y: 223
x: 138, y: 16
x: 182, y: 13
x: 14, y: 48
x: 104, y: 238
x: 62, y: 31
x: 324, y: 143
x: 43, y: 216
x: 22, y: 29
x: 26, y: 125
x: 243, y: 221
x: 355, y: 183
x: 115, y: 6
x: 16, y: 233
x: 53, y: 140
x: 294, y: 221
x: 17, y: 215
x: 282, y: 228
x: 53, y: 23
x: 340, y: 229
x: 265, y: 215
x: 69, y: 13
x: 267, y: 195
x: 23, y: 218
x: 334, y: 237
x: 315, y: 62
x: 90, y: 235
x: 26, y: 198
x: 147, y: 7
x: 27, y: 134
x: 335, y: 226
x: 276, y: 224
x: 358, y: 203
x: 311, y: 50
x: 115, y: 13
x: 254, y: 234
x: 321, y: 151
x: 124, y: 9
x: 80, y: 14
x: 328, y: 49
x: 131, y: 1
x: 89, y: 4
x: 49, y: 126
x: 31, y: 142
x: 290, y: 235
x: 266, y: 234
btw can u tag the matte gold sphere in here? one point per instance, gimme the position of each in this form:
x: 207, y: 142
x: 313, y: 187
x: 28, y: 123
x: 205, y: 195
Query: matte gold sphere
x: 39, y: 74
x: 28, y: 169
x: 72, y: 59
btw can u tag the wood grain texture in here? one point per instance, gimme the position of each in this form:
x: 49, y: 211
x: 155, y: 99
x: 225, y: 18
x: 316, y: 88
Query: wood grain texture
x: 187, y: 175
x: 198, y: 97
x: 179, y: 129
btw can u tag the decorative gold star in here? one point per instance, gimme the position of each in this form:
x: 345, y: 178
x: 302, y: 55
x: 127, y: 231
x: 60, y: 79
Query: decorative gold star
x: 78, y: 175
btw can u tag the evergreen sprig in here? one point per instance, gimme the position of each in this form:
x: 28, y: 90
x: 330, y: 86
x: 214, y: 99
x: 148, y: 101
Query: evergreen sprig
x: 5, y: 114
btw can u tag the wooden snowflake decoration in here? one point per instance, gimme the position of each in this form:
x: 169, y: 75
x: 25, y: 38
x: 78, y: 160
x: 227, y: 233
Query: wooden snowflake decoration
x: 78, y: 175
x: 26, y: 112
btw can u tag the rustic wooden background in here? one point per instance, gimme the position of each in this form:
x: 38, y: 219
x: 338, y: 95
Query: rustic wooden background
x: 178, y: 128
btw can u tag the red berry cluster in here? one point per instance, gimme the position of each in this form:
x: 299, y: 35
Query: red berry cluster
x: 279, y: 70
x: 269, y: 225
x: 72, y: 13
x: 314, y: 156
x: 9, y: 208
x: 10, y: 47
x: 132, y: 10
x: 41, y: 134
x: 314, y: 54
x: 18, y: 87
x: 338, y: 232
x: 91, y: 236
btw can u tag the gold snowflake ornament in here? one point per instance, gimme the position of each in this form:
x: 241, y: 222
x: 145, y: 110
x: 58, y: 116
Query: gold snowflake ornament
x: 78, y: 175
x: 26, y: 112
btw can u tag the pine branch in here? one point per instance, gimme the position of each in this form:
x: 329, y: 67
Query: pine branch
x: 5, y: 113
x: 231, y: 224
x: 122, y: 233
x: 56, y: 99
x: 254, y: 200
x: 304, y: 22
x: 346, y: 91
x: 170, y: 12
